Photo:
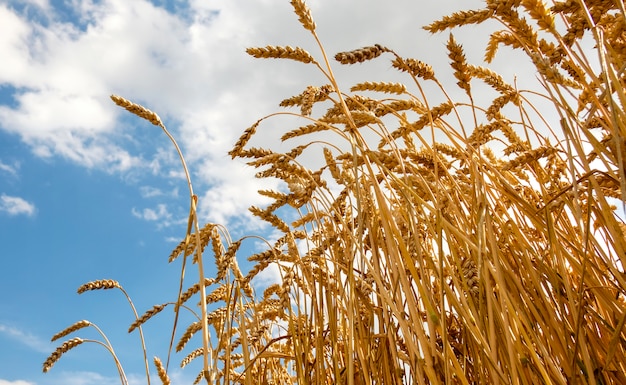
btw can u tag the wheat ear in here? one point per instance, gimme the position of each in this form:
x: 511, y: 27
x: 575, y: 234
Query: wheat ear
x: 138, y: 110
x: 161, y: 371
x: 71, y: 329
x: 304, y: 14
x: 64, y: 348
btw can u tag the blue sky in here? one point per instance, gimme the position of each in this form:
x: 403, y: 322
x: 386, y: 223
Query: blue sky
x: 88, y: 191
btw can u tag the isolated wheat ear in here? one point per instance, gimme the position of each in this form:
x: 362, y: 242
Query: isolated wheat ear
x: 64, y: 348
x: 138, y: 110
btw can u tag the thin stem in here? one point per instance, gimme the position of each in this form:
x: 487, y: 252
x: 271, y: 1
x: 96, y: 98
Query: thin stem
x: 193, y: 220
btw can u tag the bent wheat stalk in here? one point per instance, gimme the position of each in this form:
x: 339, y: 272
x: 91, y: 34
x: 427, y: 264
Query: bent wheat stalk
x: 192, y: 225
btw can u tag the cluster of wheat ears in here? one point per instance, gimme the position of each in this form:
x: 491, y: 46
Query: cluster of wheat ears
x: 450, y: 243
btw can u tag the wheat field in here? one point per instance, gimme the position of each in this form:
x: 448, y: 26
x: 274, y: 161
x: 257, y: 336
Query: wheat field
x: 468, y: 241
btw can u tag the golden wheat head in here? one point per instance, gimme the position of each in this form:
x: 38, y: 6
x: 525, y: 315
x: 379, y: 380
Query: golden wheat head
x: 64, y: 348
x: 138, y: 110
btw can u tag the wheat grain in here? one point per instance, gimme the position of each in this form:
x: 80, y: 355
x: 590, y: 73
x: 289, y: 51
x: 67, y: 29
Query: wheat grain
x: 458, y: 19
x: 569, y: 6
x: 277, y: 52
x: 529, y: 156
x: 189, y: 245
x: 497, y: 38
x: 243, y: 140
x: 498, y: 103
x: 217, y: 317
x: 537, y: 10
x: 308, y: 98
x: 255, y: 152
x: 221, y: 293
x: 414, y: 67
x: 101, y: 284
x: 356, y: 103
x: 305, y: 130
x: 470, y: 273
x: 276, y: 195
x: 360, y: 55
x: 191, y: 356
x: 71, y: 329
x: 184, y: 297
x: 449, y: 150
x: 358, y: 118
x: 576, y: 30
x: 517, y: 144
x: 225, y: 260
x: 434, y: 114
x: 321, y: 95
x: 146, y: 316
x: 162, y: 373
x: 64, y: 348
x: 305, y: 219
x: 459, y: 64
x: 550, y: 73
x: 191, y: 330
x: 256, y: 335
x: 481, y: 134
x: 304, y: 14
x: 490, y: 77
x: 138, y: 110
x: 399, y: 105
x: 390, y: 88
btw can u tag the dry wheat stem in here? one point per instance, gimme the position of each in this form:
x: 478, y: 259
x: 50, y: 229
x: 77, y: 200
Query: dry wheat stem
x: 72, y: 343
x: 112, y: 284
x: 491, y: 256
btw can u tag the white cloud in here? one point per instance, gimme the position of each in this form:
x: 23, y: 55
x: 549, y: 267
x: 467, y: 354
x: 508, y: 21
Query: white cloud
x: 16, y: 206
x: 192, y: 70
x: 16, y: 382
x: 149, y: 191
x: 66, y: 377
x: 9, y: 169
x: 85, y: 378
x: 43, y: 4
x: 160, y: 214
x: 32, y: 341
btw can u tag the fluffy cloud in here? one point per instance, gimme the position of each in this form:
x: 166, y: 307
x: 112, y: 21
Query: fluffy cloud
x: 32, y: 341
x: 191, y: 68
x: 9, y: 169
x: 16, y: 206
x: 16, y: 382
x: 160, y: 213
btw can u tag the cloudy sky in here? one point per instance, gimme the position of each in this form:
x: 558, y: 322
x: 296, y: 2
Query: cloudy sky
x: 88, y: 191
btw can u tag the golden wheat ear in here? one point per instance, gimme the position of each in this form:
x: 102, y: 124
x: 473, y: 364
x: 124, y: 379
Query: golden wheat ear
x: 277, y: 52
x: 71, y: 329
x: 101, y: 284
x: 138, y: 110
x: 56, y: 355
x: 304, y: 14
x: 165, y: 379
x: 360, y: 55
